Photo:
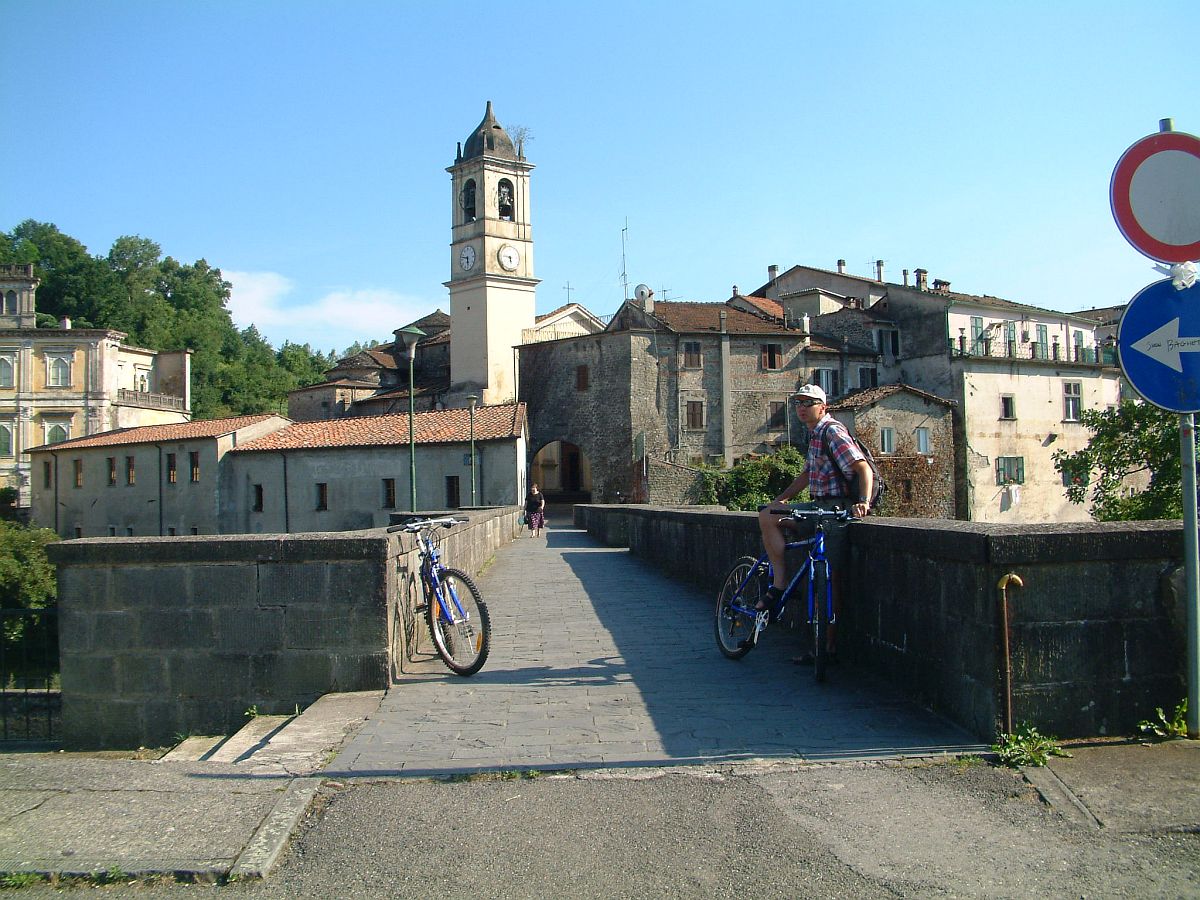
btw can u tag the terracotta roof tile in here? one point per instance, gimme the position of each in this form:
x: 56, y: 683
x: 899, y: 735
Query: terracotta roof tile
x: 492, y: 423
x: 154, y: 434
x: 867, y: 396
x: 694, y: 317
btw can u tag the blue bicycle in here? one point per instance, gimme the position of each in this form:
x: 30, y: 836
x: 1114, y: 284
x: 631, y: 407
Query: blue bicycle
x: 458, y: 618
x: 739, y: 624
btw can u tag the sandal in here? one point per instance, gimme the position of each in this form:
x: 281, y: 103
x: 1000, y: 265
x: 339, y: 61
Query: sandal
x: 769, y: 599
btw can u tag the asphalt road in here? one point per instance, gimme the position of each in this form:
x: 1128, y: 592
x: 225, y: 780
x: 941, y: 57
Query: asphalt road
x: 864, y: 829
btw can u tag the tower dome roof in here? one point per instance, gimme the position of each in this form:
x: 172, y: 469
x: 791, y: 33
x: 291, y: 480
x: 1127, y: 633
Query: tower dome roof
x: 489, y: 139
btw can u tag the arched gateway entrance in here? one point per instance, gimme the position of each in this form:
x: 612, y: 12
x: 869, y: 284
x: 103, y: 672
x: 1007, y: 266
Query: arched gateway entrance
x: 563, y: 472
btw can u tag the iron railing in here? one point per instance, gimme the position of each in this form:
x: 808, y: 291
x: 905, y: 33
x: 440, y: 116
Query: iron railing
x: 30, y: 699
x: 1001, y: 349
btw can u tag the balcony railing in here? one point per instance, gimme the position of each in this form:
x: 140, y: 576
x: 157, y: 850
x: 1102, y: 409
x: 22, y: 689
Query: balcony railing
x: 1000, y: 349
x: 149, y: 400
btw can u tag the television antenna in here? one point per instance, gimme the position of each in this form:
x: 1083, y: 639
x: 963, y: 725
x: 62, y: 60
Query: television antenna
x: 624, y: 274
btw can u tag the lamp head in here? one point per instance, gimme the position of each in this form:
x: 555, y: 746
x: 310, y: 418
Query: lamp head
x: 410, y: 334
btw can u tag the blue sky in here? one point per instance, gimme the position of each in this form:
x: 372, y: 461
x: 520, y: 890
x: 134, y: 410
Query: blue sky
x: 301, y: 147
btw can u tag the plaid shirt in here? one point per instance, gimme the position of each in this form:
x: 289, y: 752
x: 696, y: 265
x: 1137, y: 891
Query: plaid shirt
x: 829, y: 443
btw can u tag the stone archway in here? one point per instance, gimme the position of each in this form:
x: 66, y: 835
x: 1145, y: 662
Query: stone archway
x: 563, y: 472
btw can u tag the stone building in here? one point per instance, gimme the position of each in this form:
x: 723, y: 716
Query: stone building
x: 353, y: 473
x: 60, y: 383
x: 668, y: 386
x: 264, y: 474
x: 911, y: 435
x: 1019, y: 377
x: 152, y: 480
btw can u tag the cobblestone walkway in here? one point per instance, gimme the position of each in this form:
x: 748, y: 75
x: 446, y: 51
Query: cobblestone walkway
x: 598, y: 660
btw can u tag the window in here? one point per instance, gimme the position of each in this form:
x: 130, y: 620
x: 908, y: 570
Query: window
x: 129, y: 532
x: 887, y: 440
x: 77, y: 465
x: 467, y: 200
x: 505, y: 200
x: 60, y: 372
x: 828, y: 380
x: 78, y: 532
x: 1072, y: 393
x: 887, y: 340
x: 976, y: 335
x: 1010, y: 338
x: 6, y: 441
x: 923, y: 441
x: 907, y: 489
x: 195, y: 530
x: 1040, y: 350
x: 112, y: 530
x: 10, y: 303
x: 112, y: 470
x: 771, y: 356
x: 1010, y: 470
x: 581, y: 378
x: 57, y: 433
x: 130, y: 471
x: 47, y: 478
x: 194, y: 462
x: 453, y: 495
x: 6, y: 372
x: 776, y: 414
x: 322, y: 495
x: 389, y: 493
x: 1008, y: 406
x: 691, y: 355
x: 170, y: 531
x: 695, y: 414
x: 258, y: 498
x: 868, y: 377
x: 172, y: 473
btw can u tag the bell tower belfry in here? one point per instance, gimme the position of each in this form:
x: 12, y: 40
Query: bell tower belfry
x: 492, y: 288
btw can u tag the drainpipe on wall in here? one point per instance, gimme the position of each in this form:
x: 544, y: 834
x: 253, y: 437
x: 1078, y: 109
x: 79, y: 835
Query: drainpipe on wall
x: 160, y: 489
x: 287, y: 525
x: 53, y: 456
x: 726, y: 395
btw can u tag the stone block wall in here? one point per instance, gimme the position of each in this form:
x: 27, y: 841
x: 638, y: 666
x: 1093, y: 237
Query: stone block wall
x: 161, y: 637
x: 1096, y: 633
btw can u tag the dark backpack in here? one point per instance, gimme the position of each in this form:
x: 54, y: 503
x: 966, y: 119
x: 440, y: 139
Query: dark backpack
x: 878, y: 485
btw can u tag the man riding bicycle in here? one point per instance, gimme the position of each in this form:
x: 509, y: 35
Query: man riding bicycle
x: 835, y: 469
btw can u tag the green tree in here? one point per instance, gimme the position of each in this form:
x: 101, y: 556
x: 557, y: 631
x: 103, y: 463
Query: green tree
x: 1130, y: 439
x: 27, y: 579
x: 754, y: 480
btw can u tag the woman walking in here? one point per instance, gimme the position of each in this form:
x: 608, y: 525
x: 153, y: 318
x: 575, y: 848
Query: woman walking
x: 535, y: 510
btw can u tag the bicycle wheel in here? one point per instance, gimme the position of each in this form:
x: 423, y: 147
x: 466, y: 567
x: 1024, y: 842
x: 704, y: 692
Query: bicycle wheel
x: 735, y: 626
x: 820, y: 620
x: 463, y: 640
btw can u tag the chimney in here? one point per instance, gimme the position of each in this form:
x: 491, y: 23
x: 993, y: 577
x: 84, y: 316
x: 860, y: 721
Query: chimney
x: 772, y: 273
x: 735, y: 291
x: 841, y: 267
x: 906, y: 277
x: 65, y: 323
x: 879, y: 270
x: 941, y: 285
x: 804, y: 328
x: 721, y: 318
x: 922, y: 282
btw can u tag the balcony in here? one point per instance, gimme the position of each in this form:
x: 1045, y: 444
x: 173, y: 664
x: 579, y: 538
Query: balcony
x: 147, y: 400
x: 990, y: 348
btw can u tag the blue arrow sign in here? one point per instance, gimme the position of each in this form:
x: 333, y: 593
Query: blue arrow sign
x: 1159, y: 344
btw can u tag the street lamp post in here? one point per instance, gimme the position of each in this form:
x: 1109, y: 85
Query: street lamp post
x: 410, y: 334
x: 472, y: 399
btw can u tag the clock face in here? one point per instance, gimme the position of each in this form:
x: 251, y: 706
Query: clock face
x: 509, y: 257
x: 466, y: 258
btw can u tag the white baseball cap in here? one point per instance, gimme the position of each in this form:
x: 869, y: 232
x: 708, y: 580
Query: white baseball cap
x: 812, y: 391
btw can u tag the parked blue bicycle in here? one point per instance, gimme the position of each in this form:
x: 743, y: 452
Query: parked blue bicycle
x: 458, y: 618
x: 739, y: 623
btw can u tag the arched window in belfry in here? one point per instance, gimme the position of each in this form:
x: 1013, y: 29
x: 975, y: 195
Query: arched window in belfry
x: 10, y: 303
x: 506, y: 200
x: 6, y: 372
x: 6, y: 441
x: 468, y: 200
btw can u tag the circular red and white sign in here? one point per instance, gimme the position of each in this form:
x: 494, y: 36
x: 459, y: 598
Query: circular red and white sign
x: 1155, y: 196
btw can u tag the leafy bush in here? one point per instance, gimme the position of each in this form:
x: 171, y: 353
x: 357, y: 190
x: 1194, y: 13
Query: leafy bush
x: 1027, y: 747
x: 755, y: 480
x: 1176, y: 726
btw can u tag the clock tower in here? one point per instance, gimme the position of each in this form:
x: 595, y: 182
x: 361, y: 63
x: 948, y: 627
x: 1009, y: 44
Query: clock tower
x: 492, y: 288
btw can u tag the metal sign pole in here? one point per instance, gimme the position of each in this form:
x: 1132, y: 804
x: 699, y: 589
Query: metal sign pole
x: 1191, y: 561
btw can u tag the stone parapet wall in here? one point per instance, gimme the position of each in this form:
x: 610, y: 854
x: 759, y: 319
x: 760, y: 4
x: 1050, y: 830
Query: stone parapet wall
x: 162, y: 637
x: 1097, y: 632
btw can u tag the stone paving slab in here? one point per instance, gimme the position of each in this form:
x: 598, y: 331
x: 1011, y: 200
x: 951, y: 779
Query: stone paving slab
x: 598, y: 660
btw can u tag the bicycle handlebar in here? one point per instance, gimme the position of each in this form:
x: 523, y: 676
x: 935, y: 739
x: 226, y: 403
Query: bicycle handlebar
x: 841, y: 515
x: 415, y: 525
